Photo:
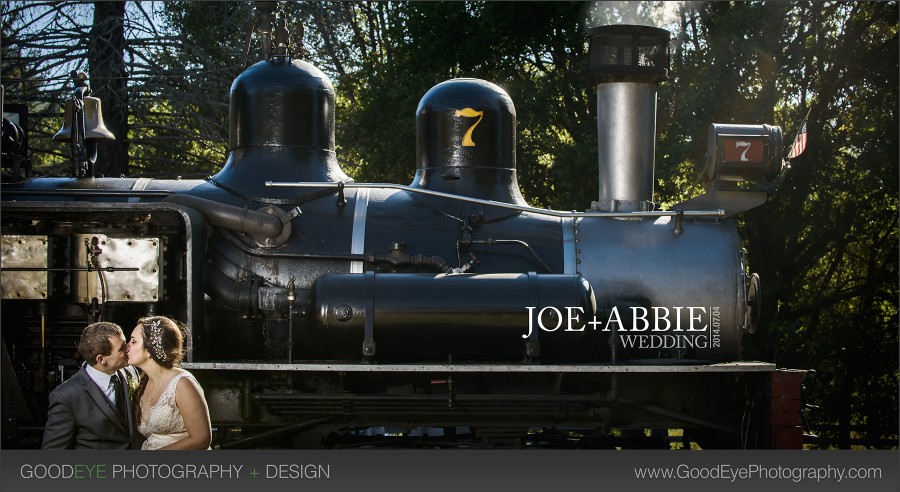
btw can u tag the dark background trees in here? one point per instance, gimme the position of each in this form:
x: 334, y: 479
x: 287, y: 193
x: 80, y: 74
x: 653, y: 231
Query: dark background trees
x: 826, y: 245
x: 163, y: 90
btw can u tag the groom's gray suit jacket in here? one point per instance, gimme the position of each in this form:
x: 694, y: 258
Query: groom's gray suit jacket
x: 81, y: 417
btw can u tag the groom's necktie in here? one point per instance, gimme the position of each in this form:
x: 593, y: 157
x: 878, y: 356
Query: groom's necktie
x: 121, y: 405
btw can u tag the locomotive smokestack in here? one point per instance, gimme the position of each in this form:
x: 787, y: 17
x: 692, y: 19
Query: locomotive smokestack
x: 627, y: 63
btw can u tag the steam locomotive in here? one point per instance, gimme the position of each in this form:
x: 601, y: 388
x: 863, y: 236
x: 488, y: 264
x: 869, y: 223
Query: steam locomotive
x: 315, y: 302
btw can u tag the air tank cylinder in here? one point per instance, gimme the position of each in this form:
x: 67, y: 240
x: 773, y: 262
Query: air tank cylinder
x: 459, y: 317
x: 627, y: 63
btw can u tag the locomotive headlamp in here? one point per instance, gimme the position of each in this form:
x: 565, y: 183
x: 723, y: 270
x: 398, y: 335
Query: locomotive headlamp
x: 742, y: 167
x: 743, y: 153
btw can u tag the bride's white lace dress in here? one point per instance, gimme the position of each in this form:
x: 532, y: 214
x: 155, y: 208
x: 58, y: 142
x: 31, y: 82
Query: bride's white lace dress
x: 164, y: 424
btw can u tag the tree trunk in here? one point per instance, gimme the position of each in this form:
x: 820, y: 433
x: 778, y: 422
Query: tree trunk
x: 109, y: 82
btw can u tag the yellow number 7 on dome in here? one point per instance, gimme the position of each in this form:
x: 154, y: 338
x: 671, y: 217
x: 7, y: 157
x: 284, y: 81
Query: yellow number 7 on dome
x: 469, y: 113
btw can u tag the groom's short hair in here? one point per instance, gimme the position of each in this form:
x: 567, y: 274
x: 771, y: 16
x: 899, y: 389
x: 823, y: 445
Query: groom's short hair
x: 95, y: 340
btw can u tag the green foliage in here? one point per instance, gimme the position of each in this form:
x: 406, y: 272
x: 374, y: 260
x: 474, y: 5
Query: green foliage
x: 180, y: 117
x: 827, y: 244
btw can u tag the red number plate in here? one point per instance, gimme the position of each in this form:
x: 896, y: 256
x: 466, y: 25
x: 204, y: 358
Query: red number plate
x: 743, y: 149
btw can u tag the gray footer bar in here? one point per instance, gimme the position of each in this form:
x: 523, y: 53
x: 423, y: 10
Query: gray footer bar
x: 450, y: 470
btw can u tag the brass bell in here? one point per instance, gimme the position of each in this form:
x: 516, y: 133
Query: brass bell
x: 94, y: 128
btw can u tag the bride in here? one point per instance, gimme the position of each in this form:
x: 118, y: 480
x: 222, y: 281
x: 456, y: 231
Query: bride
x: 172, y: 413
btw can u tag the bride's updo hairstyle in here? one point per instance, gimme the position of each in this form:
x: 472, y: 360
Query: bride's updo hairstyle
x: 163, y: 339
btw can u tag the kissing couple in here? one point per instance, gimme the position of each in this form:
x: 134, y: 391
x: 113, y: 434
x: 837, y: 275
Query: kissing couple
x: 129, y: 395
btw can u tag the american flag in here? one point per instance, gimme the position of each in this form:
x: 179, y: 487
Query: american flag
x: 799, y: 142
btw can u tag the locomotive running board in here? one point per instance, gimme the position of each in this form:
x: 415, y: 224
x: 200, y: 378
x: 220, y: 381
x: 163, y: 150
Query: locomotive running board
x: 737, y: 367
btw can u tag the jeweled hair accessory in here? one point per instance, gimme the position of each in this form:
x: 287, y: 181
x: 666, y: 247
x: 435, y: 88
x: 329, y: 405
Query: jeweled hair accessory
x: 156, y: 340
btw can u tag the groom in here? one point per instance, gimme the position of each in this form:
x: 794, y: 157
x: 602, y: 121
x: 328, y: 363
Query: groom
x: 91, y: 410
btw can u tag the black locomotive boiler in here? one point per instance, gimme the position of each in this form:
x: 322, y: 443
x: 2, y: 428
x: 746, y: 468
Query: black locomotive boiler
x: 313, y: 301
